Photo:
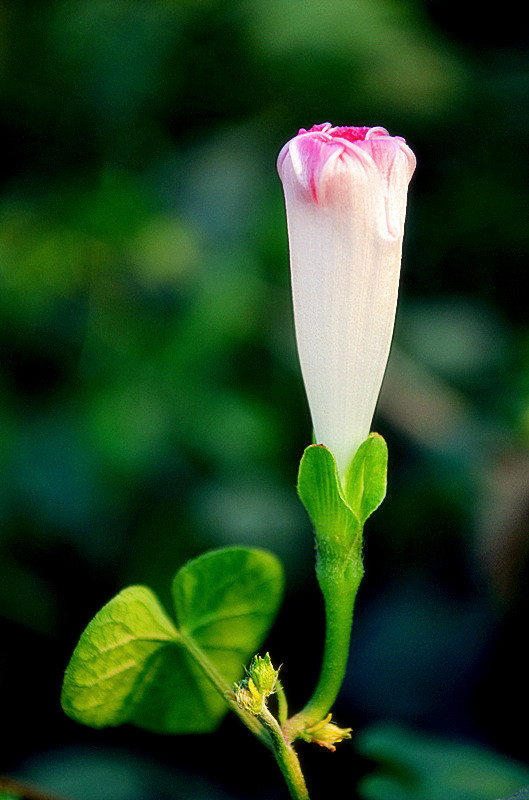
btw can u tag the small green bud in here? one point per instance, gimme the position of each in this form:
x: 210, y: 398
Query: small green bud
x: 326, y: 733
x: 252, y: 692
x: 263, y: 675
x: 248, y: 696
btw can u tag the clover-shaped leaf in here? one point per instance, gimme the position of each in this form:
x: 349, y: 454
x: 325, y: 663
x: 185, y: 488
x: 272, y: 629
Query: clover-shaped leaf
x: 134, y: 664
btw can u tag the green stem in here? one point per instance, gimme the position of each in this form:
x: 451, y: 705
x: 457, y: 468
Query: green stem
x: 339, y: 585
x: 251, y: 722
x: 282, y: 705
x: 286, y: 758
x: 265, y: 727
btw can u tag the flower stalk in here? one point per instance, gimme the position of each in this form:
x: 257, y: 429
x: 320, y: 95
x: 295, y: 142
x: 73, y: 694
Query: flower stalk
x: 286, y: 758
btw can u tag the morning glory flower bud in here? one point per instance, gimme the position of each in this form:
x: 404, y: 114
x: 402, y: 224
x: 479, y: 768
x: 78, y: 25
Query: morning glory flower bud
x: 345, y: 192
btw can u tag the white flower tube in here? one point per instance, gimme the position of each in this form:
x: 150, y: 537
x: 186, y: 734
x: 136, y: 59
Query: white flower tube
x: 345, y: 192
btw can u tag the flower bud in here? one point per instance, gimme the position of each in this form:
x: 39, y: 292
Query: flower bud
x: 345, y: 192
x: 248, y: 697
x: 263, y: 675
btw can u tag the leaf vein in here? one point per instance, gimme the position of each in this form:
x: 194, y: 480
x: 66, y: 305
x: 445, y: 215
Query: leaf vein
x: 212, y: 618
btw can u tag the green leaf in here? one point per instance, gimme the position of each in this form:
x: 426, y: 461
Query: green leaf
x: 226, y: 601
x: 413, y: 766
x: 366, y: 479
x: 132, y: 664
x: 117, y: 659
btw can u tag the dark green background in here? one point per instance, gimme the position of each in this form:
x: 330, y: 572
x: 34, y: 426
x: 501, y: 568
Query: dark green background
x: 151, y: 402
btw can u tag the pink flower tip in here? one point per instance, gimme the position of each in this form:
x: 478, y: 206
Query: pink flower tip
x: 316, y: 153
x: 349, y: 132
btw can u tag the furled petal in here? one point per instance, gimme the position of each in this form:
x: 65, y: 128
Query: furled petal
x: 345, y: 191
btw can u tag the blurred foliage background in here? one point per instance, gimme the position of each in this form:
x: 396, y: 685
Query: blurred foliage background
x: 151, y: 400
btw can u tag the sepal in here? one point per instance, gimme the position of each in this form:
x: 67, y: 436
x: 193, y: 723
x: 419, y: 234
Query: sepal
x: 321, y: 493
x: 366, y: 478
x: 339, y: 511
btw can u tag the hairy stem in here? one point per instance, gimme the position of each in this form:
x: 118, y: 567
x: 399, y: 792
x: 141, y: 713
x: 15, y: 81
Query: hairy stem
x: 282, y: 706
x: 339, y: 586
x: 286, y: 758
